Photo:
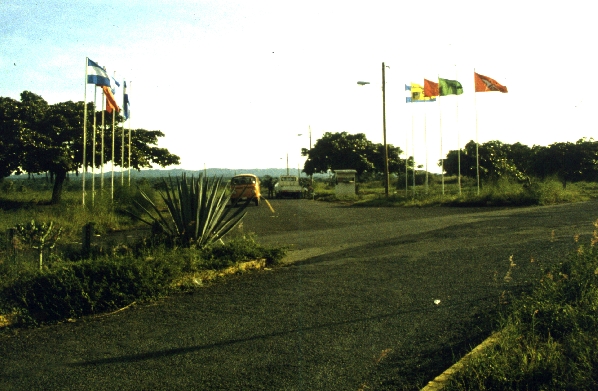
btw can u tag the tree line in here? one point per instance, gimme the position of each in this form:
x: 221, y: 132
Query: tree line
x: 567, y: 161
x: 339, y: 151
x: 37, y: 137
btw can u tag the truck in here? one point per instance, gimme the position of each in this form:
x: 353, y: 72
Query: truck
x: 288, y: 186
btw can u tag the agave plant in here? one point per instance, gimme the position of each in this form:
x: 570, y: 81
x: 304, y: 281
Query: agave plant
x: 197, y: 212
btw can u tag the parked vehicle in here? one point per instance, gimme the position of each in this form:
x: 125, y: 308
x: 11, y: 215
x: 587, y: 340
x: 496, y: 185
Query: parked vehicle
x: 288, y: 186
x: 245, y: 186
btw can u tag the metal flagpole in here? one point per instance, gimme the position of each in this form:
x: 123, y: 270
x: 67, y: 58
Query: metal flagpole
x: 426, y: 146
x: 129, y: 165
x: 113, y: 126
x: 122, y: 157
x: 112, y: 165
x: 458, y: 136
x: 102, y: 156
x: 93, y: 156
x: 84, y: 167
x: 407, y: 158
x: 413, y: 150
x: 477, y: 152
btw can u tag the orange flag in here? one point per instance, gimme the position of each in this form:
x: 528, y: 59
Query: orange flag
x: 110, y: 101
x: 431, y: 88
x: 485, y: 84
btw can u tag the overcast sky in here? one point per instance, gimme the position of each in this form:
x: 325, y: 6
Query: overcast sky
x: 238, y: 84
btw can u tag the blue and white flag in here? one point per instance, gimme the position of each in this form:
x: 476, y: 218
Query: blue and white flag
x: 125, y: 101
x: 116, y: 83
x: 96, y: 74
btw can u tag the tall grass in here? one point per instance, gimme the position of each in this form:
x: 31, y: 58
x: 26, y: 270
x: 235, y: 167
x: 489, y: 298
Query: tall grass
x: 73, y: 282
x: 549, y: 339
x: 503, y: 192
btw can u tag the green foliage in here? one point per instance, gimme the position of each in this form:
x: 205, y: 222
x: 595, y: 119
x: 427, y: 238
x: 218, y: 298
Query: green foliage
x: 569, y: 162
x: 240, y: 249
x: 39, y: 236
x: 40, y: 138
x: 91, y: 286
x: 197, y: 208
x: 336, y: 151
x: 549, y: 340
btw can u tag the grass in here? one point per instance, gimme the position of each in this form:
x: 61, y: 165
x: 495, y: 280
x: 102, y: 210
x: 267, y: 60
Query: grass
x: 74, y: 282
x: 548, y: 340
x: 502, y: 193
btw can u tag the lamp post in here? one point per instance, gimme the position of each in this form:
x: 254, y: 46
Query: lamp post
x: 386, y: 174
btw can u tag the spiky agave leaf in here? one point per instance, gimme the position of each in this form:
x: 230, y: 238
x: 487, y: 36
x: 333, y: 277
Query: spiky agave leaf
x: 197, y: 209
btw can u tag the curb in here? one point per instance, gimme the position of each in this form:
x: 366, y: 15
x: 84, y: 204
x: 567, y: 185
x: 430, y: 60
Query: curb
x: 441, y: 380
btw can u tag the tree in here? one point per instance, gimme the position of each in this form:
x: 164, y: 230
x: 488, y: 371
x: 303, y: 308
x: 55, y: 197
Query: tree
x: 49, y: 138
x: 10, y: 139
x: 349, y: 151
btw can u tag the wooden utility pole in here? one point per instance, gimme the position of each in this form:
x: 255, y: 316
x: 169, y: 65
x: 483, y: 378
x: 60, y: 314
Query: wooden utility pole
x: 386, y: 175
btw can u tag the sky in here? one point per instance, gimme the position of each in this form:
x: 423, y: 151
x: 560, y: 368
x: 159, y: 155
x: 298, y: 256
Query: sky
x: 241, y: 84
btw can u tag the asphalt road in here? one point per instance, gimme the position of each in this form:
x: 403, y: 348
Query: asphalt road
x: 352, y: 308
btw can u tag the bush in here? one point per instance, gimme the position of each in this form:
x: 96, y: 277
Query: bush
x: 549, y: 341
x: 92, y: 286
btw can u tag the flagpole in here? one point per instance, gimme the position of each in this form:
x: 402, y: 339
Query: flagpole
x: 459, y: 149
x: 129, y: 165
x: 406, y: 158
x: 113, y: 126
x: 477, y: 153
x: 93, y: 156
x: 426, y: 145
x: 122, y: 157
x: 129, y: 111
x: 458, y: 137
x: 84, y: 168
x: 413, y: 150
x: 102, y: 157
x: 112, y: 166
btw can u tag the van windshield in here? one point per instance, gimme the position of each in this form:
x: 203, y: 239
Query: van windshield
x: 243, y: 180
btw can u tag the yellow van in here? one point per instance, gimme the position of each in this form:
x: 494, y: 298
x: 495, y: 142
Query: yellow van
x: 245, y: 186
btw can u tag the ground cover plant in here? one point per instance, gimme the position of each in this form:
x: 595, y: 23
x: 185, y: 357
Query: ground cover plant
x: 73, y: 281
x: 504, y: 192
x: 548, y: 340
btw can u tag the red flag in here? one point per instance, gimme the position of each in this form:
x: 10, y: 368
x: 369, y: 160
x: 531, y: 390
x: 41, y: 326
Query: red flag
x: 485, y: 84
x: 110, y: 101
x: 430, y: 88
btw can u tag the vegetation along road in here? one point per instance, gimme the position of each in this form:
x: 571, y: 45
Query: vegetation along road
x: 368, y: 298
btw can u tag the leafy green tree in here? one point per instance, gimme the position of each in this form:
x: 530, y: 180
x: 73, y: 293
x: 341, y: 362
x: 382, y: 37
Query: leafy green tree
x: 570, y: 162
x: 49, y: 138
x: 10, y: 136
x: 349, y: 151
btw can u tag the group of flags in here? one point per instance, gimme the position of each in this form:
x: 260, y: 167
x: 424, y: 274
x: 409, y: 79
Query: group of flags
x: 98, y: 76
x: 430, y: 90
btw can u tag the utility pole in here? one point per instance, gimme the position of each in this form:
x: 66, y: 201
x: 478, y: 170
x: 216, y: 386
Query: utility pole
x: 386, y: 176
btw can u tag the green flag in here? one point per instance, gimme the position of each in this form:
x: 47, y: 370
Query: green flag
x: 449, y: 87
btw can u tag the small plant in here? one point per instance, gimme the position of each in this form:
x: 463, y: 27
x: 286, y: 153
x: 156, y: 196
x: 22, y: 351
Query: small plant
x: 39, y: 236
x: 197, y: 209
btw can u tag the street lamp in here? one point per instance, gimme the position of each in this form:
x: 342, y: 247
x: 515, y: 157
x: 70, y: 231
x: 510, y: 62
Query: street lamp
x: 386, y: 175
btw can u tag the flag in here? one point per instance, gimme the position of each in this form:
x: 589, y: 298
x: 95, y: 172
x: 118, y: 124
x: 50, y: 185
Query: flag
x: 96, y: 74
x: 485, y: 84
x: 430, y: 88
x: 449, y: 87
x: 125, y: 101
x: 110, y: 101
x: 417, y: 94
x: 116, y: 83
